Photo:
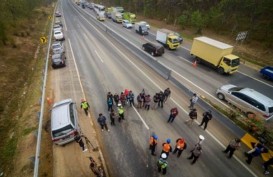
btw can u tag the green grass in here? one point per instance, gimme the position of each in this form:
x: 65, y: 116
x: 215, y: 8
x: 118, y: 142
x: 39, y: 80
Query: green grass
x: 27, y: 131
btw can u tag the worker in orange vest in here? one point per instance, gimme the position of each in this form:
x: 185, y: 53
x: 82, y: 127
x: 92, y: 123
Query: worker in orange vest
x: 153, y: 143
x: 180, y: 146
x: 166, y: 147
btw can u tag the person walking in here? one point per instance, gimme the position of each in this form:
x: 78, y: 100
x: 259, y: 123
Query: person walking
x: 173, y: 114
x: 147, y: 102
x: 143, y: 95
x: 167, y: 94
x: 166, y: 147
x: 102, y: 121
x: 139, y: 100
x: 180, y: 146
x: 85, y: 106
x: 256, y: 151
x: 155, y: 101
x: 207, y: 116
x: 161, y: 99
x: 192, y: 115
x: 162, y: 163
x: 193, y: 100
x: 122, y: 99
x: 266, y: 164
x: 153, y: 143
x: 120, y: 112
x: 195, y: 153
x: 126, y: 93
x: 110, y: 103
x: 116, y: 98
x: 131, y: 98
x: 233, y: 145
x: 78, y: 139
x: 109, y: 95
x: 112, y: 117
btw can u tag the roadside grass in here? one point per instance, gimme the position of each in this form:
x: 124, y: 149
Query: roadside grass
x: 20, y: 91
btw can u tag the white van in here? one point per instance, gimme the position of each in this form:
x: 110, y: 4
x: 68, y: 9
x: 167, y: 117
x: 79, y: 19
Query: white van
x: 64, y: 122
x: 248, y: 100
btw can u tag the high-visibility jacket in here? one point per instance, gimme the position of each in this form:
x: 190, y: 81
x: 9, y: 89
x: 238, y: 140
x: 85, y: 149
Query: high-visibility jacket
x: 84, y: 105
x: 153, y: 141
x: 180, y: 144
x: 120, y: 110
x: 162, y: 163
x: 167, y: 147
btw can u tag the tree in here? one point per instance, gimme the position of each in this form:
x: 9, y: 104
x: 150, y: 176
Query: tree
x: 198, y: 21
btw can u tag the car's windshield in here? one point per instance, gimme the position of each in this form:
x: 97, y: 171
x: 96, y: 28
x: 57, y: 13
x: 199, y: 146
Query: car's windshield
x: 235, y: 89
x: 62, y: 131
x: 56, y: 46
x: 235, y: 62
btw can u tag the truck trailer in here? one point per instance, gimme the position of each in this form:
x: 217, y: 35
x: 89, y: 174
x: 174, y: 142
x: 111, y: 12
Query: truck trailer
x: 216, y: 54
x: 167, y: 38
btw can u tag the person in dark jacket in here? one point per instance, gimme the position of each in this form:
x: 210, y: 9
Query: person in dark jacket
x: 192, y: 115
x: 112, y: 117
x: 131, y: 98
x: 147, y: 102
x: 167, y: 94
x: 266, y: 164
x: 78, y: 139
x: 232, y: 146
x: 110, y: 104
x: 173, y: 114
x: 256, y: 151
x: 207, y: 116
x: 102, y: 122
x: 161, y: 99
x: 116, y: 98
x: 195, y: 153
x: 155, y: 101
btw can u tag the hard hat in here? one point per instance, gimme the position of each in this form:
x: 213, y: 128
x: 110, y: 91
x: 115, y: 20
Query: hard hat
x: 168, y: 140
x: 155, y: 137
x: 163, y: 155
x: 119, y: 104
x: 201, y: 137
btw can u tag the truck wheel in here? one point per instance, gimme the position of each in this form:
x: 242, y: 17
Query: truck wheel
x: 221, y: 96
x: 220, y: 70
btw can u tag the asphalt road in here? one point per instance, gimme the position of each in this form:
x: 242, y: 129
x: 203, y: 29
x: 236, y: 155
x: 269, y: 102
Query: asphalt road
x: 104, y: 65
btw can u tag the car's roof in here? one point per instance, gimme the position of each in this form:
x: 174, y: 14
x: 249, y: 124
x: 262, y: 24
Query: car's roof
x: 60, y: 114
x: 57, y: 43
x: 126, y: 20
x: 154, y: 44
x: 56, y: 55
x: 57, y: 31
x: 257, y: 96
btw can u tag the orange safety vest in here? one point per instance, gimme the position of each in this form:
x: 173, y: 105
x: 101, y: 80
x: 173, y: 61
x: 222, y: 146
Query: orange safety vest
x: 152, y: 141
x: 166, y: 147
x: 180, y: 144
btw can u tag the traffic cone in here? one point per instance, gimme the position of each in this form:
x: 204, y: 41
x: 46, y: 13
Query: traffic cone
x: 194, y: 64
x: 49, y: 101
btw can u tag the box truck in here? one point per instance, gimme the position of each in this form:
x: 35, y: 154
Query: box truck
x: 216, y: 54
x: 116, y: 16
x: 167, y: 38
x: 130, y: 17
x: 141, y: 28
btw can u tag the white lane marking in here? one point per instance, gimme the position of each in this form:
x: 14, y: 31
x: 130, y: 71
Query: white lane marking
x: 99, y: 56
x: 141, y: 118
x: 110, y: 42
x: 256, y: 79
x: 65, y: 28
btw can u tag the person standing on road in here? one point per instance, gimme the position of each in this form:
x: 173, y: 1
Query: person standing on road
x: 167, y: 94
x: 112, y: 117
x: 155, y: 99
x: 110, y: 104
x: 195, y: 153
x: 102, y: 122
x: 139, y: 101
x: 256, y: 151
x: 131, y: 98
x: 85, y: 106
x: 122, y: 99
x: 161, y: 99
x: 126, y: 93
x: 147, y: 102
x: 193, y: 100
x: 153, y: 143
x: 173, y: 114
x: 207, y: 116
x: 120, y: 112
x: 116, y: 98
x: 78, y: 139
x: 166, y: 147
x: 109, y: 96
x: 162, y: 163
x: 266, y: 164
x: 192, y: 115
x: 232, y: 146
x: 180, y: 146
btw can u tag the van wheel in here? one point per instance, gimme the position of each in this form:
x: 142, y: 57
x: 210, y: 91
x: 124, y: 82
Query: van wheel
x: 220, y: 70
x: 250, y: 115
x: 221, y: 96
x: 152, y: 54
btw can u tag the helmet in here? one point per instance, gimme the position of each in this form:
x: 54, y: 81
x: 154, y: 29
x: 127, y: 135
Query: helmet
x: 155, y: 137
x: 119, y: 104
x: 201, y: 137
x: 168, y: 140
x: 163, y: 155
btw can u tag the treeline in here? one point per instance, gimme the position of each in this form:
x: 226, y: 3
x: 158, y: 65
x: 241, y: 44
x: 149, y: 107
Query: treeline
x: 11, y: 11
x: 225, y: 16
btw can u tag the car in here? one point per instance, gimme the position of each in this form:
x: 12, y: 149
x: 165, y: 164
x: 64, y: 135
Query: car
x: 267, y: 72
x: 57, y: 27
x: 249, y: 101
x: 58, y: 60
x: 58, y: 22
x: 57, y: 47
x: 58, y: 14
x: 126, y: 24
x: 153, y: 48
x: 145, y: 23
x: 58, y: 35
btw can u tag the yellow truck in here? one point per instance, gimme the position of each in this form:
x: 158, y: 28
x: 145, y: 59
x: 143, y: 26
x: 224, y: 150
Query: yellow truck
x: 216, y: 54
x: 167, y: 38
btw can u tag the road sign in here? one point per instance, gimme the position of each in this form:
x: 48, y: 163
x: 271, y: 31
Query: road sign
x: 49, y: 17
x: 43, y: 40
x: 241, y: 36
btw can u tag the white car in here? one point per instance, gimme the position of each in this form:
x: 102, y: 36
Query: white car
x: 57, y: 27
x: 127, y: 24
x: 57, y: 47
x: 145, y: 23
x: 58, y: 35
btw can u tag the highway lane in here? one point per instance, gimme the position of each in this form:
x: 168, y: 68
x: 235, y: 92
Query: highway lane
x: 180, y: 60
x: 105, y: 66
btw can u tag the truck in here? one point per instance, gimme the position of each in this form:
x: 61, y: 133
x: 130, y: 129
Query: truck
x: 141, y: 29
x: 167, y: 38
x: 101, y: 16
x: 116, y: 17
x: 108, y: 12
x: 130, y: 17
x: 215, y: 54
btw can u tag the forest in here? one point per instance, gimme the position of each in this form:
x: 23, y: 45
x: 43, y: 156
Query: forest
x: 221, y: 16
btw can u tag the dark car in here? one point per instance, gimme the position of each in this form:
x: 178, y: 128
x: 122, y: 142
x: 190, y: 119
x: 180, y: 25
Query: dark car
x: 58, y: 60
x: 153, y: 49
x: 267, y: 72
